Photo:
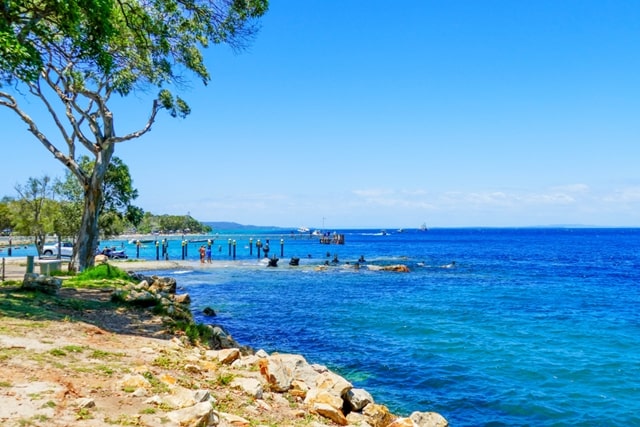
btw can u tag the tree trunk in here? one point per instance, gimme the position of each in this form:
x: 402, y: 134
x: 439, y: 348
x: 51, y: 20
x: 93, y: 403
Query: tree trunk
x: 88, y: 235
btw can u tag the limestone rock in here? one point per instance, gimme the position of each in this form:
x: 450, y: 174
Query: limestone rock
x: 330, y: 412
x: 358, y: 398
x: 377, y: 415
x: 398, y: 268
x: 182, y: 299
x: 200, y: 415
x: 315, y: 396
x: 234, y: 420
x: 134, y: 382
x: 357, y: 419
x: 228, y: 355
x: 38, y: 282
x: 333, y: 383
x: 403, y: 422
x: 299, y: 389
x: 251, y: 386
x: 85, y: 403
x: 429, y: 419
x: 202, y: 396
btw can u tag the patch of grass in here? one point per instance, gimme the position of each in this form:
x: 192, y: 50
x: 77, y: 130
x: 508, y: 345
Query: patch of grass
x: 100, y: 276
x: 57, y: 352
x: 73, y: 348
x: 59, y: 273
x: 124, y: 420
x: 83, y: 414
x: 188, y: 382
x: 157, y: 385
x: 198, y: 333
x: 5, y: 384
x: 148, y: 411
x: 49, y: 404
x: 8, y: 283
x: 106, y: 370
x: 40, y: 417
x: 166, y: 362
x: 105, y: 355
x: 30, y: 305
x: 164, y: 406
x: 224, y: 379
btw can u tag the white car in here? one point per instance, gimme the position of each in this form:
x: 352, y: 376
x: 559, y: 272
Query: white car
x: 52, y: 250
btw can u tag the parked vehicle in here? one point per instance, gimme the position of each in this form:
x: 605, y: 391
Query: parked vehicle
x: 114, y: 253
x: 66, y: 249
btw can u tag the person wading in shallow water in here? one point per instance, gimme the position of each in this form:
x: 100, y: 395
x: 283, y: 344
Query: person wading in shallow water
x: 202, y: 252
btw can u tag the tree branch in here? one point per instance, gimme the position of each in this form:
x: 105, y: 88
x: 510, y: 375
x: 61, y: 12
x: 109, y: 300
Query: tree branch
x: 152, y: 118
x: 9, y: 101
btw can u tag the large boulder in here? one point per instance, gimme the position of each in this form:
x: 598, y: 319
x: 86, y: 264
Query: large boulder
x: 429, y: 419
x: 38, y: 282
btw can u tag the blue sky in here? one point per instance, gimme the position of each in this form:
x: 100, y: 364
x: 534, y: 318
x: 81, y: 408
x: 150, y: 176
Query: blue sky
x: 383, y: 114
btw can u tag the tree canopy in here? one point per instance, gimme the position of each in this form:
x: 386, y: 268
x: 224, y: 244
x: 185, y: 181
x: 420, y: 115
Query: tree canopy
x: 75, y: 55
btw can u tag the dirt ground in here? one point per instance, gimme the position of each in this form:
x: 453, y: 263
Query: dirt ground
x: 79, y: 363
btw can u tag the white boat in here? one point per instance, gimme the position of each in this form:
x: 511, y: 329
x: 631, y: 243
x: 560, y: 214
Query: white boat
x: 317, y: 233
x: 303, y: 230
x: 423, y: 227
x: 134, y: 241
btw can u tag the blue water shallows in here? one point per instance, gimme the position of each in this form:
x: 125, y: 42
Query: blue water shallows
x: 529, y: 327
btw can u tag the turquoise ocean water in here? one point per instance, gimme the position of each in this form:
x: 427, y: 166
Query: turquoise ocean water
x: 535, y: 327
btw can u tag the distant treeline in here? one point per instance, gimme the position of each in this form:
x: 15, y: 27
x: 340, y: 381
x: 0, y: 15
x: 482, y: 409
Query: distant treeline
x: 169, y: 224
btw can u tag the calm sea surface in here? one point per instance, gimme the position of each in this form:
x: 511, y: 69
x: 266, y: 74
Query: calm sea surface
x: 535, y: 327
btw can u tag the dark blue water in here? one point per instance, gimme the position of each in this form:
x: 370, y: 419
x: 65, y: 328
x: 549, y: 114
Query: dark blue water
x: 529, y: 327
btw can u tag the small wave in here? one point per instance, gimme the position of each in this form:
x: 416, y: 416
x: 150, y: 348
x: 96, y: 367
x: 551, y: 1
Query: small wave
x: 182, y: 272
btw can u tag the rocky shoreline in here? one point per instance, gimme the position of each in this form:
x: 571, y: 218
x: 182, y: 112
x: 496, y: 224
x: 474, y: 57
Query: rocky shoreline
x: 174, y: 381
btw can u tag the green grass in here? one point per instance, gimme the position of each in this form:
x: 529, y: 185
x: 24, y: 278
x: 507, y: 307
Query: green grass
x: 73, y: 348
x: 106, y: 370
x: 27, y: 304
x: 33, y: 305
x: 157, y: 385
x: 100, y: 276
x: 198, y: 333
x: 101, y: 354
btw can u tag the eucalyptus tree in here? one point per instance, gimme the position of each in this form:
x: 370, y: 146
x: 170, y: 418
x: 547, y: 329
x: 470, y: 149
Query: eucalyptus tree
x: 116, y: 210
x: 6, y: 219
x: 76, y: 56
x: 34, y: 210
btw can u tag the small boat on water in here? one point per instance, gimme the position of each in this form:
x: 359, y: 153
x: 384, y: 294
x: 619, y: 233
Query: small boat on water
x: 423, y: 227
x: 303, y: 230
x: 134, y: 241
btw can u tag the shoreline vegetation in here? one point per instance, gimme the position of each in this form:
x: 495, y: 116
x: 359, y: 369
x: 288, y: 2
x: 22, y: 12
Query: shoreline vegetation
x: 124, y: 350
